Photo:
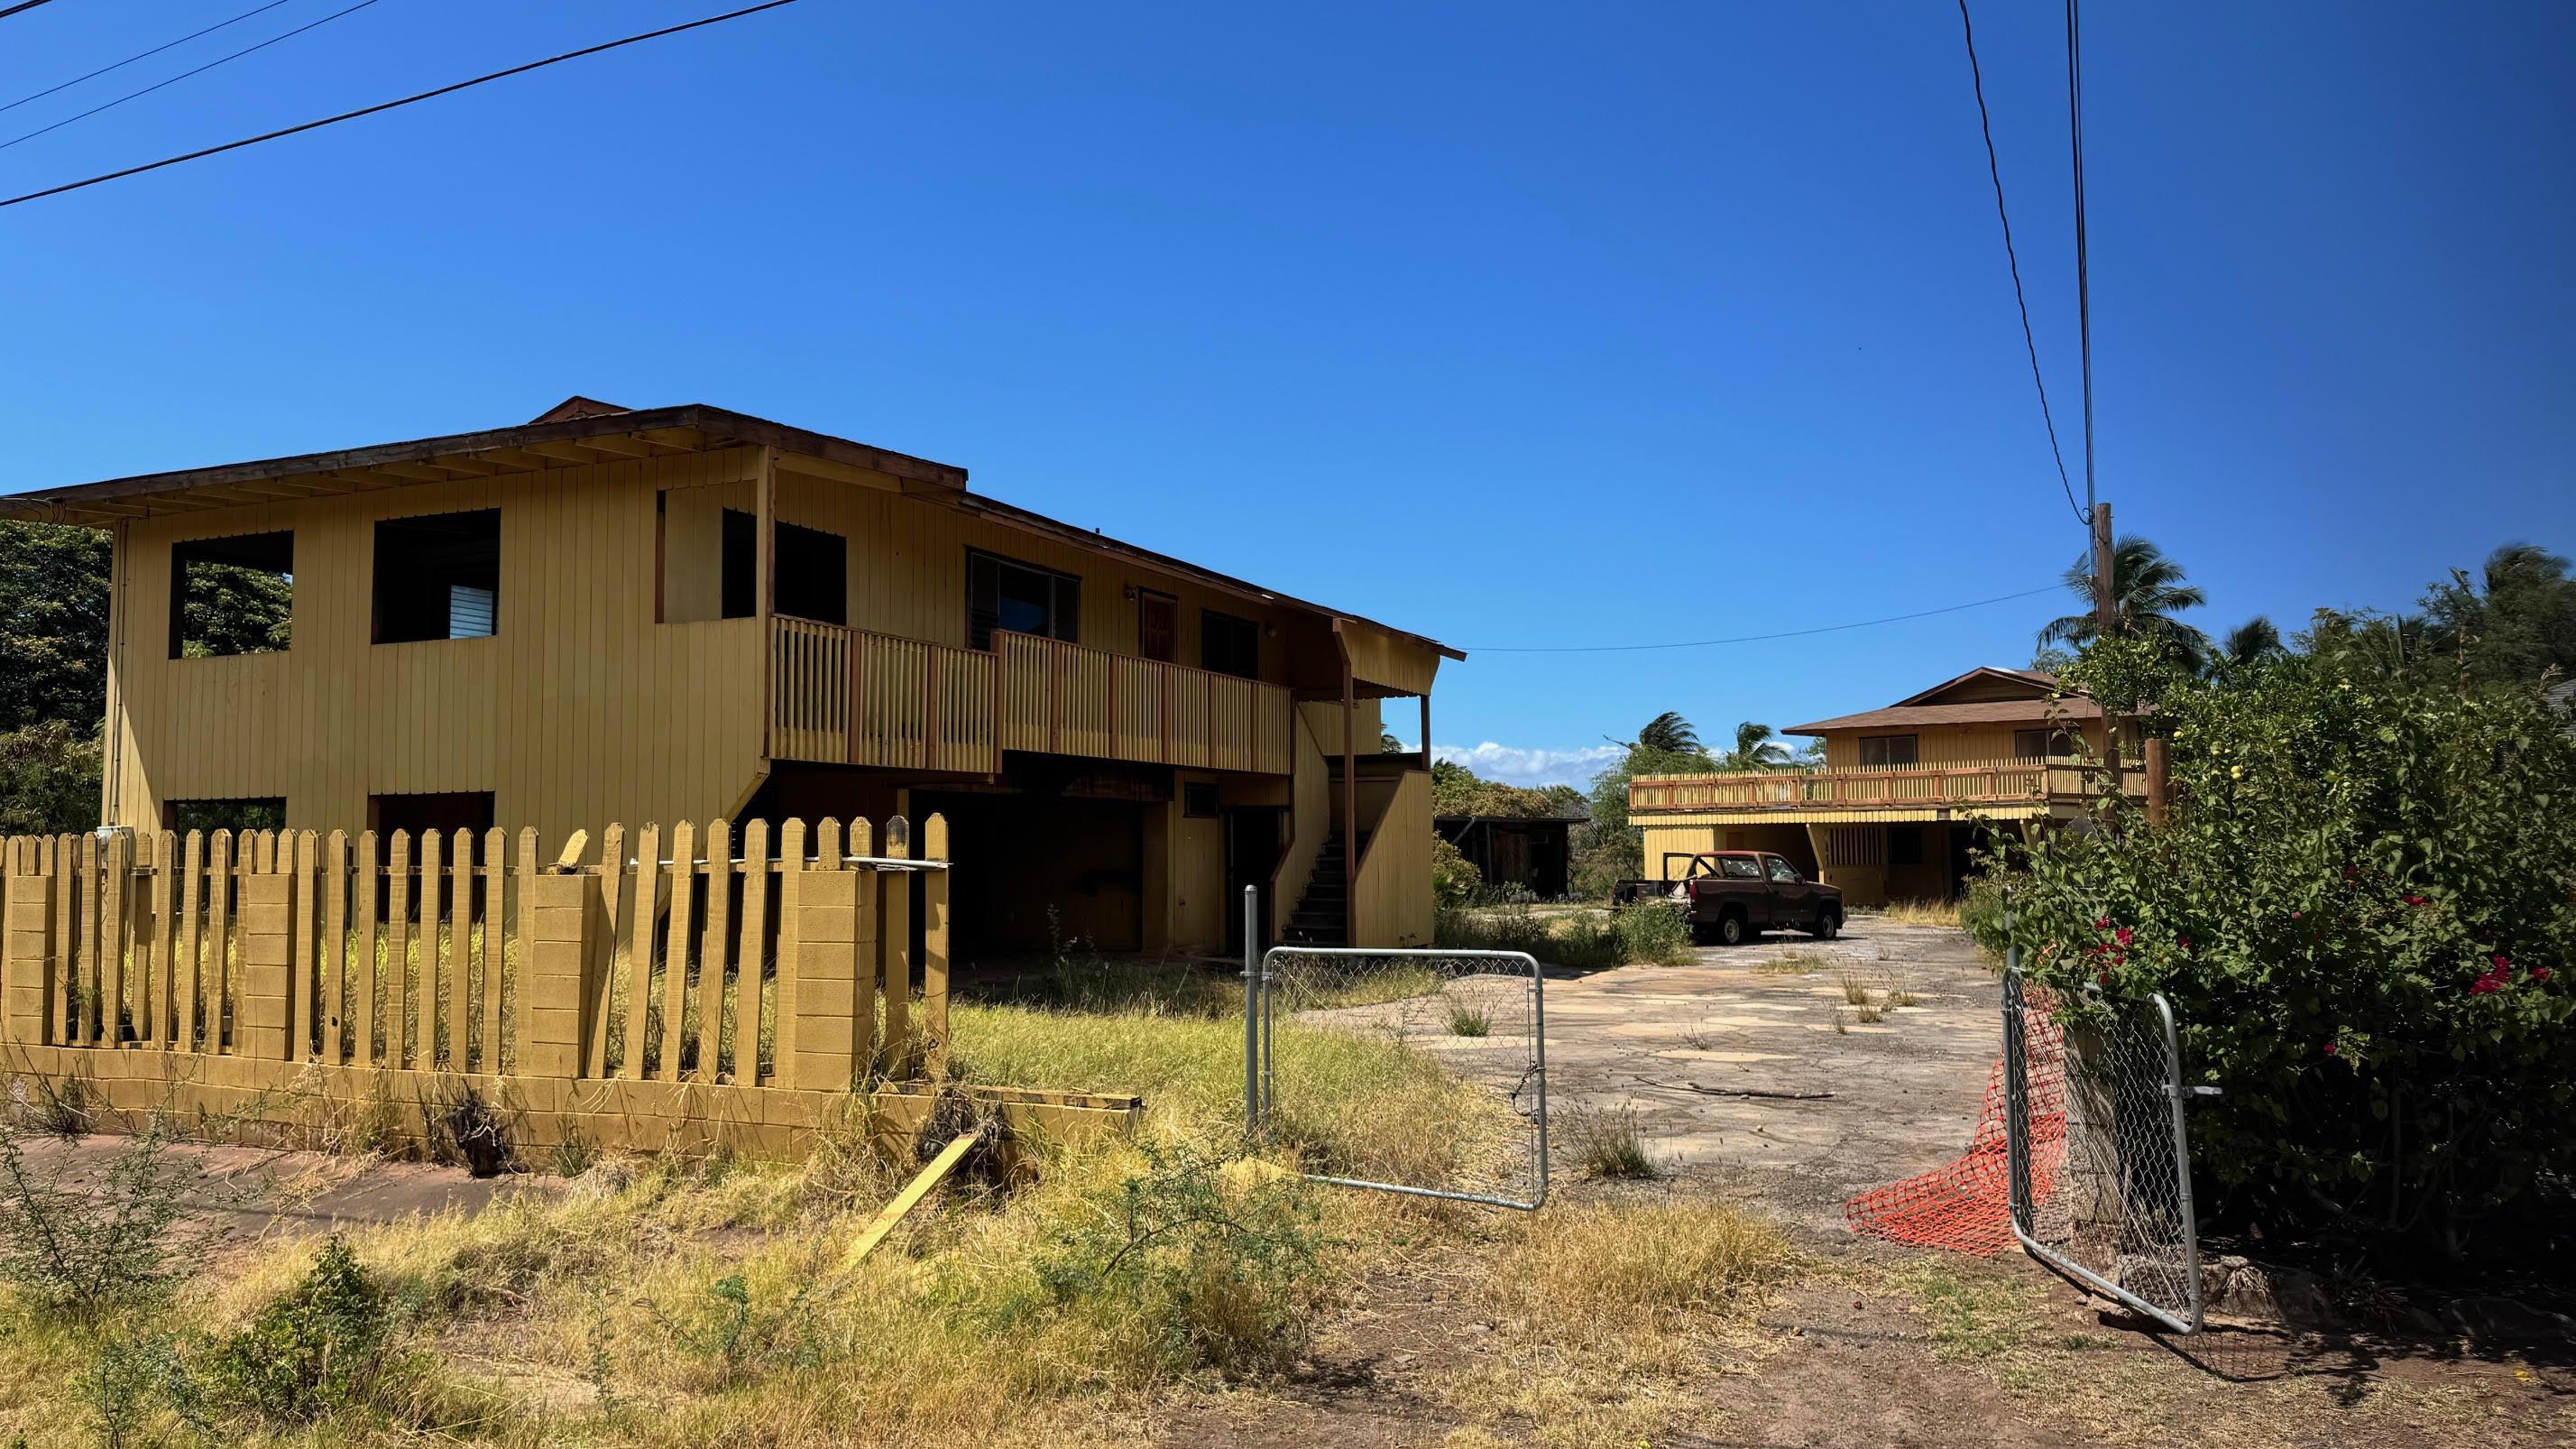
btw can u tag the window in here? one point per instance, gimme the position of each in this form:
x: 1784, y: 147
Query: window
x: 232, y: 595
x: 1905, y: 845
x: 446, y: 811
x: 810, y: 570
x: 258, y: 813
x: 438, y: 577
x: 1003, y: 593
x: 1158, y: 626
x: 2040, y: 744
x: 1198, y: 801
x: 1228, y: 645
x: 1739, y: 867
x: 1781, y: 870
x: 1879, y: 750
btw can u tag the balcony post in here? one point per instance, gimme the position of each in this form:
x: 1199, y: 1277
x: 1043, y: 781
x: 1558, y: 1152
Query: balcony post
x: 765, y: 496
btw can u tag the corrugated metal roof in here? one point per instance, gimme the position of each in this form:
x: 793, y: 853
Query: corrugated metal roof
x: 2002, y: 711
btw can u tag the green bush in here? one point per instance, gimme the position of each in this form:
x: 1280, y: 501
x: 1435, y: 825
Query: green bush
x: 2362, y: 909
x: 313, y: 1351
x: 1454, y: 878
x: 1654, y: 933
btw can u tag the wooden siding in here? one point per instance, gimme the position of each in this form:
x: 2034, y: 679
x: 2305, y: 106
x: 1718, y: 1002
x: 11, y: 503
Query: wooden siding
x: 1381, y: 659
x: 850, y: 696
x: 1392, y: 892
x: 579, y: 708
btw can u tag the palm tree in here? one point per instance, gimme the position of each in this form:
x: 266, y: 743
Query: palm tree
x: 1671, y: 733
x: 1755, y: 749
x: 2147, y: 590
x: 2254, y: 639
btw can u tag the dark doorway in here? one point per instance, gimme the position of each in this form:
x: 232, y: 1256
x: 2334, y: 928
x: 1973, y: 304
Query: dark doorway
x: 1036, y: 873
x: 1963, y: 839
x: 1251, y: 855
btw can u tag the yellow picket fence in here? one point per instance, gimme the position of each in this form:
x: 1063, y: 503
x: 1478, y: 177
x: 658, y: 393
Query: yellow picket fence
x: 649, y: 987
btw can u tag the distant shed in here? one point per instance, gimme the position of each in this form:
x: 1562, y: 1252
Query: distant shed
x: 1515, y: 850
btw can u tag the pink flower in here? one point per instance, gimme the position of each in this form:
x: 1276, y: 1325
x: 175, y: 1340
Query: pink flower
x: 2103, y: 924
x: 2185, y: 943
x: 2500, y: 962
x: 2485, y: 984
x: 2417, y: 901
x: 2330, y: 1048
x: 2123, y: 935
x: 2539, y: 973
x: 2351, y: 872
x: 2294, y: 915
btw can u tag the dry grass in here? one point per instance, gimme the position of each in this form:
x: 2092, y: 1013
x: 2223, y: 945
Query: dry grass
x: 1919, y: 913
x: 1796, y: 963
x: 1855, y: 990
x: 1606, y: 1143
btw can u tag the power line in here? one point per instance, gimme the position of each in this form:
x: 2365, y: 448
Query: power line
x: 1985, y: 124
x: 22, y: 5
x: 183, y: 75
x: 1760, y: 638
x: 2083, y: 280
x: 393, y: 104
x: 140, y: 55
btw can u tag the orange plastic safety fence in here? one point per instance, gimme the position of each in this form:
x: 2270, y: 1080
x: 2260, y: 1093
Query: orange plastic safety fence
x: 1966, y: 1205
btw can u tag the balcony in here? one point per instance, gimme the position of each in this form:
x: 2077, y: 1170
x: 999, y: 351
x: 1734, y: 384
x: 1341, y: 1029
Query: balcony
x: 2059, y: 781
x: 850, y: 696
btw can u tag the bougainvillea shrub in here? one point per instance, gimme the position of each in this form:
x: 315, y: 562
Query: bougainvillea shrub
x: 2363, y: 908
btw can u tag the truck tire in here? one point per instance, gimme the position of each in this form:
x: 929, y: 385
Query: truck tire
x: 1733, y: 930
x: 1829, y: 923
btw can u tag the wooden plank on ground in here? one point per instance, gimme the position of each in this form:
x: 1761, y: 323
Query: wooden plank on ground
x: 911, y: 1196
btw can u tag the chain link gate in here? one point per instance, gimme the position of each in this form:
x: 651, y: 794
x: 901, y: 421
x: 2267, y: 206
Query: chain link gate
x: 1479, y: 1014
x: 2098, y: 1154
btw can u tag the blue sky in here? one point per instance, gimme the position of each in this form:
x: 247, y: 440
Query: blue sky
x: 1517, y: 326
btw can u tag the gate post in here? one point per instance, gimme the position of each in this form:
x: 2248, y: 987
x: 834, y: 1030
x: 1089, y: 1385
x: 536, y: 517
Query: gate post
x: 1251, y: 1011
x: 266, y: 959
x: 828, y: 962
x: 561, y: 909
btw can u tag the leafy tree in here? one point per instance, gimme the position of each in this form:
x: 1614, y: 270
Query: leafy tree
x: 2255, y: 639
x: 1670, y: 733
x: 2513, y: 623
x: 235, y: 610
x: 1756, y: 748
x: 1457, y: 790
x: 2147, y: 590
x: 49, y: 779
x: 2362, y: 908
x: 53, y: 625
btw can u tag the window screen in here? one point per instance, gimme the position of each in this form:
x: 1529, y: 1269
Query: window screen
x: 1887, y: 750
x: 1228, y: 645
x: 438, y: 577
x: 1004, y: 593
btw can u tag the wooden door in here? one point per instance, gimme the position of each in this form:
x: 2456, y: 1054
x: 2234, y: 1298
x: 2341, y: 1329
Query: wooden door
x: 1158, y: 626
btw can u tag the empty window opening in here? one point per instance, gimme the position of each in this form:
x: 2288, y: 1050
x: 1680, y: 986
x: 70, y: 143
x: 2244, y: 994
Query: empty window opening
x: 2041, y: 744
x: 445, y: 811
x: 1004, y: 593
x: 810, y: 570
x: 232, y: 595
x: 1880, y: 750
x: 438, y: 577
x: 1228, y: 645
x: 264, y: 812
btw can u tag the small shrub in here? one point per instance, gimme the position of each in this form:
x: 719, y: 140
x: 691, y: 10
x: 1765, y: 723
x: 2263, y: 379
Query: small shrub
x: 1796, y: 963
x: 127, y: 1380
x: 1606, y: 1144
x: 67, y: 1109
x: 1220, y: 1275
x: 576, y: 1153
x: 1900, y: 992
x: 738, y: 1335
x: 1466, y: 1020
x: 75, y: 1253
x: 1855, y: 990
x: 313, y: 1351
x: 1455, y: 881
x: 1696, y: 1040
x: 1655, y: 934
x: 1869, y: 1015
x: 1842, y: 1022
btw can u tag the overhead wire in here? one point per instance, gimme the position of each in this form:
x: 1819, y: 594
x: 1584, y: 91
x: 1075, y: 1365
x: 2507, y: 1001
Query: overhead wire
x: 1994, y: 170
x: 183, y: 75
x: 382, y: 106
x: 1759, y: 638
x: 22, y: 5
x: 141, y: 55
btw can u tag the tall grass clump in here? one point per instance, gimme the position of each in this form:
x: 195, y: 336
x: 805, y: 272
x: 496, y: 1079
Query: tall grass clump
x: 1625, y: 1267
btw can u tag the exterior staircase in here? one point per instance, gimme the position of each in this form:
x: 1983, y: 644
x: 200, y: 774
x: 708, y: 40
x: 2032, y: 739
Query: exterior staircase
x: 1319, y: 919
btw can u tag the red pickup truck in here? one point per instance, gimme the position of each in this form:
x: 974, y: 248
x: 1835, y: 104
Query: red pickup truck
x: 1732, y: 896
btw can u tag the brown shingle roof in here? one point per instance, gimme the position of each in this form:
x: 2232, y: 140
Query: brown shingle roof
x: 2002, y: 711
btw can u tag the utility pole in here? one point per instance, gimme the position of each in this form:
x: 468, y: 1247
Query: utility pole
x: 2106, y: 621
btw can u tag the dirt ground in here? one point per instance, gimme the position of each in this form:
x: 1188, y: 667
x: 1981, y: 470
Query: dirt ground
x: 1883, y: 1344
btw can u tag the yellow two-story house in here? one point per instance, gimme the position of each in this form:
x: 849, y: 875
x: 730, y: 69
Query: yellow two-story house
x: 1905, y: 793
x: 681, y: 613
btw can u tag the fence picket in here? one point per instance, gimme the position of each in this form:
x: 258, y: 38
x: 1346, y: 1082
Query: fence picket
x: 791, y: 873
x: 675, y: 950
x: 397, y: 951
x: 934, y: 947
x: 748, y: 956
x: 304, y: 952
x: 362, y: 970
x: 497, y: 932
x: 219, y: 941
x: 711, y: 955
x: 460, y: 952
x: 188, y: 982
x: 423, y: 996
x: 335, y: 946
x: 639, y: 950
x: 165, y: 937
x: 599, y: 973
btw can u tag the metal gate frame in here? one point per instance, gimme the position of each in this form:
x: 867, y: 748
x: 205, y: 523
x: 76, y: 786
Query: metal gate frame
x: 1257, y: 1008
x: 2017, y: 1156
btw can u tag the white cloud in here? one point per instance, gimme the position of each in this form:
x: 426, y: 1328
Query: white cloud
x: 1515, y: 765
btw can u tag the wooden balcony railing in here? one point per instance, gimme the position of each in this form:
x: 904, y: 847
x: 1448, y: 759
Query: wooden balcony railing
x: 849, y: 696
x: 1064, y: 699
x: 1896, y: 787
